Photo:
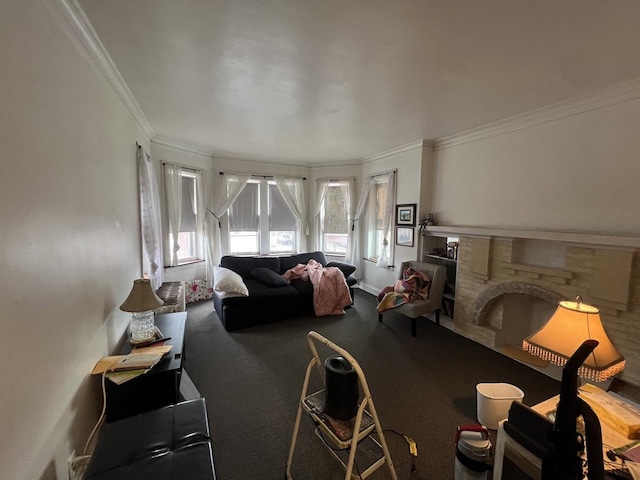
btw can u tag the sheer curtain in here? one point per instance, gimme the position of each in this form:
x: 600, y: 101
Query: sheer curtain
x: 348, y: 193
x: 292, y: 190
x: 173, y: 192
x: 321, y: 190
x: 201, y: 208
x: 150, y: 217
x: 223, y: 198
x: 354, y: 243
x: 384, y: 256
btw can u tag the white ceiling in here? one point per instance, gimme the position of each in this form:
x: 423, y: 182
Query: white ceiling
x: 314, y: 82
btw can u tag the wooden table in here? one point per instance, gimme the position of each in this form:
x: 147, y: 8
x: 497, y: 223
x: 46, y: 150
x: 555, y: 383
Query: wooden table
x: 507, y: 447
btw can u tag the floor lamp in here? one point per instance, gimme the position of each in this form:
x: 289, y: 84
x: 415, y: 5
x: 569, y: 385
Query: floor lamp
x: 575, y: 339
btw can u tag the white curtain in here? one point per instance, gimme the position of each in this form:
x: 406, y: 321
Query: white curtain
x: 354, y: 243
x: 292, y: 190
x: 348, y: 193
x: 321, y: 190
x: 385, y: 254
x: 201, y: 207
x: 224, y: 197
x: 173, y: 193
x: 150, y: 217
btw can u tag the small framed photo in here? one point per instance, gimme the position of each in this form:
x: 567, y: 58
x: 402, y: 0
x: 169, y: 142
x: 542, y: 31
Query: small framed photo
x: 404, y: 236
x: 406, y: 215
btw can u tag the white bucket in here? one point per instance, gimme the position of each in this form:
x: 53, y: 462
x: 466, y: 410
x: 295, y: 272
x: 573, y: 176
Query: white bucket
x: 494, y: 401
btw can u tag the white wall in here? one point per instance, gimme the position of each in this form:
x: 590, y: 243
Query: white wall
x: 70, y: 240
x: 580, y: 172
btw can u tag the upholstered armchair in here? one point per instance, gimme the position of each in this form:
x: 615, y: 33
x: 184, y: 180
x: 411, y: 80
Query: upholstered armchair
x: 438, y: 276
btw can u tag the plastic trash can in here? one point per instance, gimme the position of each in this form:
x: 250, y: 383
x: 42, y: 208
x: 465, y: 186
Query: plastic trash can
x: 494, y: 401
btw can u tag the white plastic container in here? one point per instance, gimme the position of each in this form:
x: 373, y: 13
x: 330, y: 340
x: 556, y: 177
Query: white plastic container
x: 474, y: 453
x: 494, y: 401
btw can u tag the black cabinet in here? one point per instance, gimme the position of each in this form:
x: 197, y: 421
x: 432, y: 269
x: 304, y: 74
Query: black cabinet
x: 159, y: 387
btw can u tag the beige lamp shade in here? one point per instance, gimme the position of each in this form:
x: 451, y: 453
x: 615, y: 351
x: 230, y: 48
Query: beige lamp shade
x: 142, y: 297
x: 570, y: 325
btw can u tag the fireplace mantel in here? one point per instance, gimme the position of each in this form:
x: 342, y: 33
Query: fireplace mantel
x: 585, y: 238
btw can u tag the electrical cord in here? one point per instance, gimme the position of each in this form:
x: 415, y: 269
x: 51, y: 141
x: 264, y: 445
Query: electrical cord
x: 615, y: 469
x: 102, y: 415
x: 320, y: 435
x: 413, y: 447
x: 78, y: 464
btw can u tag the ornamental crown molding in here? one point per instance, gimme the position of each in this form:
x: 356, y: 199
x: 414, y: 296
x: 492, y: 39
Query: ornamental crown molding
x: 200, y: 150
x: 423, y: 143
x: 169, y: 142
x: 614, y: 95
x: 78, y: 28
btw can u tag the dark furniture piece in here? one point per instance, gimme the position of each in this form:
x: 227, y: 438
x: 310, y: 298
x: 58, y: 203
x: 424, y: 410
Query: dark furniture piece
x: 170, y: 443
x: 160, y: 386
x: 267, y: 303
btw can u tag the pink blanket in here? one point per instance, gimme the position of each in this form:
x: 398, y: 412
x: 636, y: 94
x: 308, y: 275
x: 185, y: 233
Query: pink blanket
x: 330, y: 290
x: 414, y: 285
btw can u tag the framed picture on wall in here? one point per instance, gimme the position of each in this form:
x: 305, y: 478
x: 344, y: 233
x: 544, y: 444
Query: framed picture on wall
x: 404, y: 236
x: 406, y: 215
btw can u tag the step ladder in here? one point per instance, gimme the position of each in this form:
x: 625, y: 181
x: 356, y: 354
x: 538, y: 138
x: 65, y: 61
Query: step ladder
x: 361, y: 435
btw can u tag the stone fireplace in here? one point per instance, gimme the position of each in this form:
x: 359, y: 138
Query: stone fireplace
x: 509, y: 283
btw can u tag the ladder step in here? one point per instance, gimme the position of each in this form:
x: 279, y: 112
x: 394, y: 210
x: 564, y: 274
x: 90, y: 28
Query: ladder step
x: 368, y: 452
x: 340, y: 431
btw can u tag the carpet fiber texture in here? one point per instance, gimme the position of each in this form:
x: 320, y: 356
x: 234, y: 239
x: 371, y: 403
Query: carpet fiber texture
x: 422, y: 387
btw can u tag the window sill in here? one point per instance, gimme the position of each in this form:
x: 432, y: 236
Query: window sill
x: 375, y: 260
x: 186, y: 264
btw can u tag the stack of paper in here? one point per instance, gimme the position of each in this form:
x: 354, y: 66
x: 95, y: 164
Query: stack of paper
x: 612, y: 410
x: 122, y: 368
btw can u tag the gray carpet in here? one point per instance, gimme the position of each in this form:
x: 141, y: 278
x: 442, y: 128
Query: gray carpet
x: 423, y: 387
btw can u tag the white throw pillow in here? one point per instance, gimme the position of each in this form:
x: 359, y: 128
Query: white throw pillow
x: 228, y: 281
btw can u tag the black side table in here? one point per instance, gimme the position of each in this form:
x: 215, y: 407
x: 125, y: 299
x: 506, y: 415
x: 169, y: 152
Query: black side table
x: 159, y: 387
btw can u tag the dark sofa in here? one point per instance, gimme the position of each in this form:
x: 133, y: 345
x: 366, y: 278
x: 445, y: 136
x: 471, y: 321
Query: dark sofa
x: 270, y: 298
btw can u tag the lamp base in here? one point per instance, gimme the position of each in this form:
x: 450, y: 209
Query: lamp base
x: 142, y: 327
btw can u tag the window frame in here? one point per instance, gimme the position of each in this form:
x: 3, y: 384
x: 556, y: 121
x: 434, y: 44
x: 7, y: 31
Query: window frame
x: 323, y: 233
x: 375, y: 235
x: 229, y: 232
x: 263, y: 234
x: 197, y: 238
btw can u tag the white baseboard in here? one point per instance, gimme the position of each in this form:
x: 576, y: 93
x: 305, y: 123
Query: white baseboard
x: 368, y: 288
x: 188, y: 390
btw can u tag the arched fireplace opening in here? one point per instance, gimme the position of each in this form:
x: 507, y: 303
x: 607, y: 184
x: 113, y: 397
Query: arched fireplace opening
x: 514, y: 310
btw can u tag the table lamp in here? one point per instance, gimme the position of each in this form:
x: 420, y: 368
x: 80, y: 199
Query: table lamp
x: 141, y: 302
x: 575, y: 339
x: 570, y: 325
